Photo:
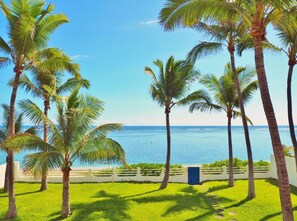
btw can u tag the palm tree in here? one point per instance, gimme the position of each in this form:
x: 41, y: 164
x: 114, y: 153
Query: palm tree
x: 46, y: 84
x: 226, y: 34
x: 287, y: 32
x: 168, y: 89
x: 71, y: 139
x: 255, y: 15
x: 29, y: 28
x: 226, y: 99
x: 4, y: 133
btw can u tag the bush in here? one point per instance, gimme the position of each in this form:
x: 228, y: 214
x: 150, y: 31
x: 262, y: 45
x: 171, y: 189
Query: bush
x: 237, y: 163
x: 151, y: 166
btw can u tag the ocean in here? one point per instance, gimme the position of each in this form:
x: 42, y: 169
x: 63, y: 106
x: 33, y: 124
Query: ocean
x: 190, y: 144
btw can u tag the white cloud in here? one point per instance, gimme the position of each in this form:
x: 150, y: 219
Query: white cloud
x: 79, y: 56
x: 150, y: 22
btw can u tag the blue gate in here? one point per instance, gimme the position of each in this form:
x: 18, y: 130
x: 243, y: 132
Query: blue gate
x: 193, y: 175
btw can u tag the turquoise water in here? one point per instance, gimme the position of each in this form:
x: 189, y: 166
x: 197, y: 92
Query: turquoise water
x: 190, y: 144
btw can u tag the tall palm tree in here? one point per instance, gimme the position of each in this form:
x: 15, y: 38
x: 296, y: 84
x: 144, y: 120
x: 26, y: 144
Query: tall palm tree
x: 226, y: 99
x: 255, y: 15
x: 226, y: 34
x: 29, y: 28
x: 46, y: 84
x: 168, y: 89
x: 287, y: 32
x: 73, y: 138
x: 4, y: 133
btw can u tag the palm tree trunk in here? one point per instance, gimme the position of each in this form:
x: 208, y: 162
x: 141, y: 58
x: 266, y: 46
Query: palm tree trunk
x: 231, y: 172
x: 290, y: 114
x: 45, y: 138
x: 284, y: 187
x: 65, y: 212
x: 12, y: 211
x: 167, y: 170
x: 251, y: 185
x: 5, y: 190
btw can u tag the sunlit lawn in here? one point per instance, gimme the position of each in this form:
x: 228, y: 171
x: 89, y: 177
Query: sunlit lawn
x: 128, y: 201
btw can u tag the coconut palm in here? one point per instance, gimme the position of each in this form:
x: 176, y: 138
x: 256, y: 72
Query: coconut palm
x: 255, y: 15
x: 4, y: 133
x: 226, y: 99
x: 287, y: 32
x: 71, y: 139
x: 168, y: 89
x: 29, y: 27
x: 226, y: 34
x: 46, y: 84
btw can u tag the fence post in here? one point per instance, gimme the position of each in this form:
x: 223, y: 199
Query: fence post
x: 224, y: 171
x: 138, y: 174
x: 90, y: 173
x: 162, y: 174
x: 114, y: 174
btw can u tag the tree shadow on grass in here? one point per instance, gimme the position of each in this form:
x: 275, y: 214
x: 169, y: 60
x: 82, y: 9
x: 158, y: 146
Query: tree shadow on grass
x: 188, y: 199
x: 275, y: 183
x: 5, y: 195
x: 240, y: 203
x: 270, y: 216
x: 141, y: 194
x: 26, y: 193
x: 217, y: 188
x: 109, y: 207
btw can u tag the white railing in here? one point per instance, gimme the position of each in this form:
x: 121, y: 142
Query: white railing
x: 222, y: 173
x: 179, y: 175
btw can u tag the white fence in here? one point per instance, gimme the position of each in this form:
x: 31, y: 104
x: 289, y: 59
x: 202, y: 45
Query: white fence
x: 222, y: 173
x: 291, y: 168
x: 2, y: 175
x: 179, y: 175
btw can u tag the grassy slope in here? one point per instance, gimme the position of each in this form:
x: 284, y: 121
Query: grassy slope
x: 125, y: 201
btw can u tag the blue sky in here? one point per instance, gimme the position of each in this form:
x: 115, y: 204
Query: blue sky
x: 113, y: 40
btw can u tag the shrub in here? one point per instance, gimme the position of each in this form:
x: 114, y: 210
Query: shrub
x: 237, y: 163
x: 151, y: 166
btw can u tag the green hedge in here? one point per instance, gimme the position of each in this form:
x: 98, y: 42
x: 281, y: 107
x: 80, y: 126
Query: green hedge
x: 237, y: 163
x: 151, y: 166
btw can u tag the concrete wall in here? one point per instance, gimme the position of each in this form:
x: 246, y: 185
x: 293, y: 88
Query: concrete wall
x: 291, y: 168
x: 2, y: 175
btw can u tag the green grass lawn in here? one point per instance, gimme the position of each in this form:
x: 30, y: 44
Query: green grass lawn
x: 129, y: 201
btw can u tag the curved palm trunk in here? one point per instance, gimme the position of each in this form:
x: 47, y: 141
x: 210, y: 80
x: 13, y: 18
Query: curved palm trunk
x: 251, y: 186
x: 5, y: 189
x: 284, y: 187
x: 65, y: 212
x: 231, y: 171
x: 167, y: 170
x: 290, y: 114
x: 12, y: 211
x: 45, y: 138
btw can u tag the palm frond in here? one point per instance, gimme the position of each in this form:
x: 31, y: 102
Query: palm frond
x: 199, y: 95
x: 33, y: 112
x: 103, y: 151
x: 203, y: 49
x: 28, y: 85
x: 238, y: 114
x: 204, y: 107
x: 35, y: 163
x: 4, y: 47
x: 27, y: 141
x: 71, y: 84
x: 4, y: 62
